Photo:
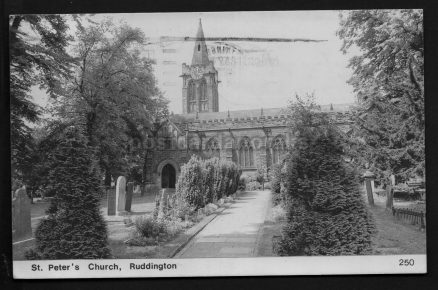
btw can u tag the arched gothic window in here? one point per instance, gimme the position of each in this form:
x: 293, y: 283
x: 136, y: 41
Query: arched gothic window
x: 278, y: 149
x: 203, y: 100
x: 191, y: 97
x: 246, y: 153
x: 212, y: 148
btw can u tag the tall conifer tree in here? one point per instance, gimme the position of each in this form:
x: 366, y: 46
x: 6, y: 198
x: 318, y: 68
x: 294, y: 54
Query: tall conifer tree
x: 326, y: 212
x: 74, y: 228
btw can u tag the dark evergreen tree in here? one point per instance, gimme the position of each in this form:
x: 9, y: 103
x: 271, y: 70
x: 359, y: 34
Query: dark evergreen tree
x: 74, y: 228
x: 326, y: 212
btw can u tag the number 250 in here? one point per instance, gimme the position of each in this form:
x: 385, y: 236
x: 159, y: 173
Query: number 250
x: 406, y: 262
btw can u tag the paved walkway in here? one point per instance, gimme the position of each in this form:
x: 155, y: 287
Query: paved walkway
x: 235, y: 232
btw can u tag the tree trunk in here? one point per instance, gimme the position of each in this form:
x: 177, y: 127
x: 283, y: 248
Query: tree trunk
x: 107, y: 181
x: 369, y: 191
x: 143, y: 175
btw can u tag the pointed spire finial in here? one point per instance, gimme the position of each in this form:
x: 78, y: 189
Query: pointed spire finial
x: 200, y: 54
x: 228, y: 114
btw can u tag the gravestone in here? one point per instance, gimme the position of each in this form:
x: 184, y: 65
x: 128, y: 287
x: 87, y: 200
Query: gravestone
x: 112, y: 202
x: 392, y: 179
x: 21, y: 225
x: 129, y: 192
x: 389, y: 197
x: 390, y: 193
x: 121, y: 194
x: 164, y: 201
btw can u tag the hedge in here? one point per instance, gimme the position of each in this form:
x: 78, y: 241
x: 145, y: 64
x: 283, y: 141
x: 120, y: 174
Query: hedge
x: 206, y: 181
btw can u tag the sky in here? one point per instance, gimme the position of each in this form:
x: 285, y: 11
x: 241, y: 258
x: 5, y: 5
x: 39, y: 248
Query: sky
x: 262, y: 74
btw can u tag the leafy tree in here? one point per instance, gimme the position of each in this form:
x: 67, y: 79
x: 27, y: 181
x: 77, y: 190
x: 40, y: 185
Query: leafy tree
x: 114, y: 91
x: 74, y: 228
x: 388, y: 79
x: 37, y: 56
x: 326, y: 213
x: 46, y: 138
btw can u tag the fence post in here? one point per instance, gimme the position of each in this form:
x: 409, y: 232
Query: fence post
x: 423, y: 224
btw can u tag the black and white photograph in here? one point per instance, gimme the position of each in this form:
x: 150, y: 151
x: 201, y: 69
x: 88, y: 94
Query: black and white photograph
x: 217, y: 143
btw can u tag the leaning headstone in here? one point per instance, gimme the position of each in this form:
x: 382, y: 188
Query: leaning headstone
x: 21, y: 225
x: 129, y: 192
x: 112, y: 202
x: 121, y: 194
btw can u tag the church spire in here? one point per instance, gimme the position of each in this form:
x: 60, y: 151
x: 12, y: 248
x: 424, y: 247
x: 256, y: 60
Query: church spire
x: 200, y: 54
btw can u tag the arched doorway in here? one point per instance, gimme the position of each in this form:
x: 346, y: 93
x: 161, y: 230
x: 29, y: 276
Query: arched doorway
x: 168, y: 176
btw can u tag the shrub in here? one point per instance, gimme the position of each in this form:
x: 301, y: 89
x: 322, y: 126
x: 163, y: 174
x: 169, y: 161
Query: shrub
x: 74, y: 228
x: 180, y: 208
x: 253, y: 185
x: 276, y: 178
x: 233, y: 176
x: 211, y: 178
x: 150, y: 231
x: 242, y: 183
x: 202, y: 182
x: 190, y: 183
x: 149, y: 227
x: 282, y: 197
x: 326, y: 214
x: 279, y: 213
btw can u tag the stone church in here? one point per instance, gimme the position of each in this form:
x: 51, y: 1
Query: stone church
x: 246, y: 137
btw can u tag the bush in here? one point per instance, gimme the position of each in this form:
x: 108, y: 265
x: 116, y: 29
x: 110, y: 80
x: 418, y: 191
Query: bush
x: 253, y: 185
x: 74, y: 228
x: 242, y: 183
x: 203, y: 182
x: 190, y: 185
x: 180, y: 208
x: 326, y: 214
x: 149, y: 227
x: 150, y: 231
x: 279, y: 213
x: 211, y: 178
x: 276, y: 178
x: 281, y: 198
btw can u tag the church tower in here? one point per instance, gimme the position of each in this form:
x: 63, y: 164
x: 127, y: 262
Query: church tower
x: 200, y: 80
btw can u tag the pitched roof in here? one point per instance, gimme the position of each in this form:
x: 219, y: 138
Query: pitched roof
x: 200, y: 54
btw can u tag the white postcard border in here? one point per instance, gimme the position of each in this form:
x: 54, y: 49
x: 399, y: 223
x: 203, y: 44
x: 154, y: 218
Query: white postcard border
x: 273, y: 266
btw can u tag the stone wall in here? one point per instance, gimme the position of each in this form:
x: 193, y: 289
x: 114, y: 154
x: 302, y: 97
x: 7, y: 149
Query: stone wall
x: 260, y: 127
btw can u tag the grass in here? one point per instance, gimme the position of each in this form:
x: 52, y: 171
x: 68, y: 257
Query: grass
x: 395, y: 236
x: 118, y: 232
